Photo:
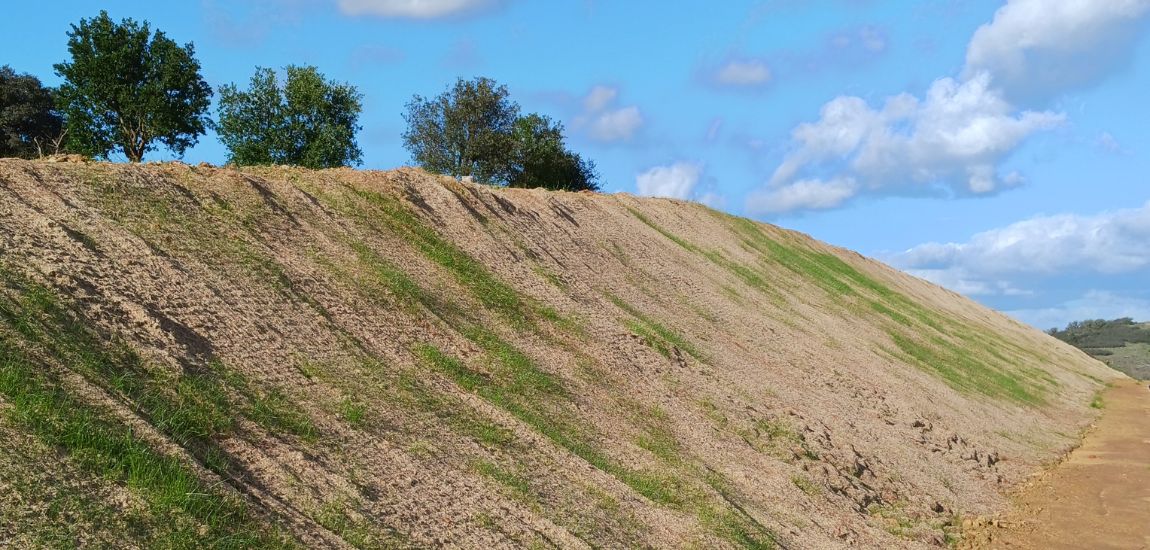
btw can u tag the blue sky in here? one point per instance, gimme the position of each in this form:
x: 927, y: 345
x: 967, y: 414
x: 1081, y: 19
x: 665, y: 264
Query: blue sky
x: 997, y: 148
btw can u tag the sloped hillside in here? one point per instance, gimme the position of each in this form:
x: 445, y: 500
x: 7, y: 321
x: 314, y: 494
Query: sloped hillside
x: 194, y: 356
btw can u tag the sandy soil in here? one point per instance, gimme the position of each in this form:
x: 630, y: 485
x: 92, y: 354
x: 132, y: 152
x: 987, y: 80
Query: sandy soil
x: 691, y: 379
x: 1099, y: 498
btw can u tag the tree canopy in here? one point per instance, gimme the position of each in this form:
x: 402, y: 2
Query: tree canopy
x: 541, y: 159
x: 308, y: 121
x: 474, y: 130
x: 28, y: 123
x: 126, y: 88
x: 465, y: 131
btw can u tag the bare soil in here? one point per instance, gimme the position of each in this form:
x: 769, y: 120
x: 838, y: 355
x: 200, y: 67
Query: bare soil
x: 474, y: 367
x: 1099, y: 498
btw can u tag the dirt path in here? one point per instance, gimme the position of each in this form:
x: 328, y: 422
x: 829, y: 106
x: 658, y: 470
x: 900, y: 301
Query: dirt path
x: 1099, y: 498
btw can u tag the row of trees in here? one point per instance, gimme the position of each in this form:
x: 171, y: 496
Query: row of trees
x: 129, y: 90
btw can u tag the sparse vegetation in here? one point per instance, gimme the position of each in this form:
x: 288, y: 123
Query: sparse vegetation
x: 658, y: 336
x: 362, y: 320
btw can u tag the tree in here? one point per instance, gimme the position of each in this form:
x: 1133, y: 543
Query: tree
x: 465, y: 131
x: 307, y: 122
x: 126, y: 89
x: 541, y: 159
x: 28, y: 123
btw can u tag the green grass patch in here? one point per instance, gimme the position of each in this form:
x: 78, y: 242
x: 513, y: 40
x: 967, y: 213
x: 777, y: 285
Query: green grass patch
x: 654, y: 333
x: 966, y: 358
x: 353, y: 411
x: 385, y: 277
x: 963, y: 370
x: 513, y: 481
x: 339, y: 517
x: 192, y: 410
x: 492, y: 293
x: 656, y: 435
x: 536, y: 398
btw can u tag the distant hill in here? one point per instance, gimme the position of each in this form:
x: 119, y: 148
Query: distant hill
x: 1121, y: 343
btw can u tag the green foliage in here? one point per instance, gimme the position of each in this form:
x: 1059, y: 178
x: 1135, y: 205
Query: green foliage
x: 1099, y: 334
x: 308, y: 121
x: 543, y: 160
x: 465, y: 131
x: 127, y: 88
x: 29, y: 125
x: 474, y: 130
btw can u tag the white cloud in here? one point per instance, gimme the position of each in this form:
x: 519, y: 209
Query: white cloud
x: 810, y: 194
x: 1038, y: 49
x: 599, y: 98
x: 1028, y: 265
x: 954, y: 138
x: 1112, y: 243
x: 616, y: 125
x: 414, y: 9
x: 676, y: 181
x: 604, y: 121
x: 1094, y: 304
x: 743, y: 73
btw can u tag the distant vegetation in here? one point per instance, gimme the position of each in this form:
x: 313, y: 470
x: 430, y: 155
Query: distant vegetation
x: 1120, y: 343
x: 129, y: 91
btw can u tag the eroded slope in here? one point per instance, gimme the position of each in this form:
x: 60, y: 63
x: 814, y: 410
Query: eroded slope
x: 392, y: 359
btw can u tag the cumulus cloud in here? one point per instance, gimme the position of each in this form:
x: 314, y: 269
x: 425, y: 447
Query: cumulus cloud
x: 1115, y: 242
x: 951, y: 140
x: 1061, y: 259
x: 1045, y: 257
x: 675, y: 181
x: 604, y: 120
x: 1038, y: 49
x: 415, y: 9
x: 955, y: 139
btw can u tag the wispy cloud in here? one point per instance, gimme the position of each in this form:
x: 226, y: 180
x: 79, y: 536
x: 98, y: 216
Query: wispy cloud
x: 740, y: 74
x: 417, y: 9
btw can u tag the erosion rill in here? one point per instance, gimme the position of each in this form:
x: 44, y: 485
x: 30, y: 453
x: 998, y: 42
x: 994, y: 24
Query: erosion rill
x: 281, y: 357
